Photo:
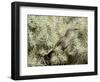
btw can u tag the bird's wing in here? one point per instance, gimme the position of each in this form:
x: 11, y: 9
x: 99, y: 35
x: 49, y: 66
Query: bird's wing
x: 60, y: 41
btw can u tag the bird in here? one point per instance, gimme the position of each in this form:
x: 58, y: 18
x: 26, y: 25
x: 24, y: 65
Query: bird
x: 61, y: 44
x: 66, y: 39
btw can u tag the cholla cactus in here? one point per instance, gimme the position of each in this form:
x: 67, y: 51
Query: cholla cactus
x: 53, y: 40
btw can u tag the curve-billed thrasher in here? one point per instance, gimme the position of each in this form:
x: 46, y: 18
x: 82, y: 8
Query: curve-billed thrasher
x: 61, y: 45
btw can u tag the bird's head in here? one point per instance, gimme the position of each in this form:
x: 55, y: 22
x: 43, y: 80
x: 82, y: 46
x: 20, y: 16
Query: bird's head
x: 72, y: 31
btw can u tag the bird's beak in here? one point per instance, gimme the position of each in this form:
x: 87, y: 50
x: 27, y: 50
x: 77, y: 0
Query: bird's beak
x: 76, y: 29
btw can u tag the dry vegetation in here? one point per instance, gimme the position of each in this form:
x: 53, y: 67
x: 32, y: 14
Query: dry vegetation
x: 44, y: 32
